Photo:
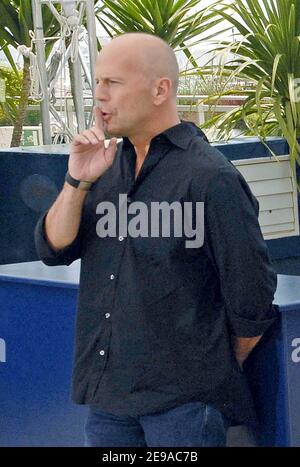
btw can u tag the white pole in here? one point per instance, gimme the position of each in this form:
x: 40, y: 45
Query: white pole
x: 41, y: 61
x: 78, y: 96
x: 92, y: 37
x: 69, y: 7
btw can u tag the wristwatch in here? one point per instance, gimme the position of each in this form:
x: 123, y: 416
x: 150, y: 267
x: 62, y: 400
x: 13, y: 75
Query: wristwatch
x: 81, y: 184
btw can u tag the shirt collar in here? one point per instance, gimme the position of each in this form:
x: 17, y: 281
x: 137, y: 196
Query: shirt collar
x: 179, y: 135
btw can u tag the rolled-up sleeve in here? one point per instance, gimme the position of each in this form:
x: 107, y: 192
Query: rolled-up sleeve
x: 239, y: 252
x: 50, y: 257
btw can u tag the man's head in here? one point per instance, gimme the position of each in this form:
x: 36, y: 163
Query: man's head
x: 136, y: 84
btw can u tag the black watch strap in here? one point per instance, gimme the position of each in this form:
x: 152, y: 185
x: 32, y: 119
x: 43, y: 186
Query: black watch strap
x: 81, y: 184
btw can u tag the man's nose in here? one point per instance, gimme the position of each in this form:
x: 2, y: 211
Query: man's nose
x: 101, y: 93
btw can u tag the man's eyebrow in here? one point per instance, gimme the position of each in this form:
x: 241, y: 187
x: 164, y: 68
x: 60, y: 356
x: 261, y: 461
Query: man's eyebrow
x: 105, y: 78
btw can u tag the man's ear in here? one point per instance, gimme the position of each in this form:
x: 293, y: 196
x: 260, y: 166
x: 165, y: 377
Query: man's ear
x: 162, y: 90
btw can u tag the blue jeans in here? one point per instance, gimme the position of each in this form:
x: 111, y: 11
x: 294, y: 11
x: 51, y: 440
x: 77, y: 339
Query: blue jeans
x: 189, y: 425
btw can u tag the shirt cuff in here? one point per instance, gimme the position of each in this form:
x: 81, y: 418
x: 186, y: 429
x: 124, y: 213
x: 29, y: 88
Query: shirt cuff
x: 45, y: 252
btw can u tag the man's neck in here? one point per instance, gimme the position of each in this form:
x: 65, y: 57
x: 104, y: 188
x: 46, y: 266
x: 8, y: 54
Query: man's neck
x: 141, y: 154
x: 142, y: 142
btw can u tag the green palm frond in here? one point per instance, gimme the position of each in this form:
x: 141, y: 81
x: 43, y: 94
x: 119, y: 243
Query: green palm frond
x: 16, y: 21
x: 172, y: 20
x: 267, y: 55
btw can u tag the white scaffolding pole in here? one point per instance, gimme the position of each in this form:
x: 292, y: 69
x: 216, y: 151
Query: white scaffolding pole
x: 91, y: 25
x: 92, y: 38
x: 69, y: 8
x: 41, y: 61
x: 71, y: 16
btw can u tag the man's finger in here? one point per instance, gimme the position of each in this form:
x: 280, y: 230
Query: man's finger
x: 98, y: 133
x: 98, y: 118
x: 90, y: 135
x: 80, y: 139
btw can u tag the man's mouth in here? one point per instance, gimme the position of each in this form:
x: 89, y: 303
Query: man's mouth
x: 106, y: 116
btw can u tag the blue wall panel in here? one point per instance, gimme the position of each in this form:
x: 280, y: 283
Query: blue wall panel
x: 29, y: 183
x: 37, y: 326
x: 31, y: 178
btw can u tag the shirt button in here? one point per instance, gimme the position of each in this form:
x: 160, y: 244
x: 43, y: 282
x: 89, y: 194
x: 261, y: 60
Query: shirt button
x: 112, y: 276
x: 128, y: 199
x: 121, y: 238
x: 107, y: 315
x: 101, y: 352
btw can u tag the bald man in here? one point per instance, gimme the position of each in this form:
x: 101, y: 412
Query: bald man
x: 176, y: 286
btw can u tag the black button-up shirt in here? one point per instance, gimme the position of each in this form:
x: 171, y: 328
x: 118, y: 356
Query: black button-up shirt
x: 156, y: 320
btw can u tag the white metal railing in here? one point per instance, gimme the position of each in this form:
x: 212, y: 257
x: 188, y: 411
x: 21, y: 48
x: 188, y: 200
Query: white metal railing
x: 199, y: 108
x: 198, y: 97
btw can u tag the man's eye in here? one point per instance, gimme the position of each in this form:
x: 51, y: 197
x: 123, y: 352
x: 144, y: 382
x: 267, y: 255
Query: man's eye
x: 114, y: 82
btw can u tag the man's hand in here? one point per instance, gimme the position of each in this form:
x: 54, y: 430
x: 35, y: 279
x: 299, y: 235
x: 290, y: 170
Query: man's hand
x: 243, y: 346
x: 89, y: 158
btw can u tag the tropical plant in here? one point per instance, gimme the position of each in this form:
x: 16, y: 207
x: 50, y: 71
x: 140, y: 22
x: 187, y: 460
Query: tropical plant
x: 15, y: 24
x: 172, y: 20
x: 13, y: 84
x: 9, y: 107
x: 267, y: 54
